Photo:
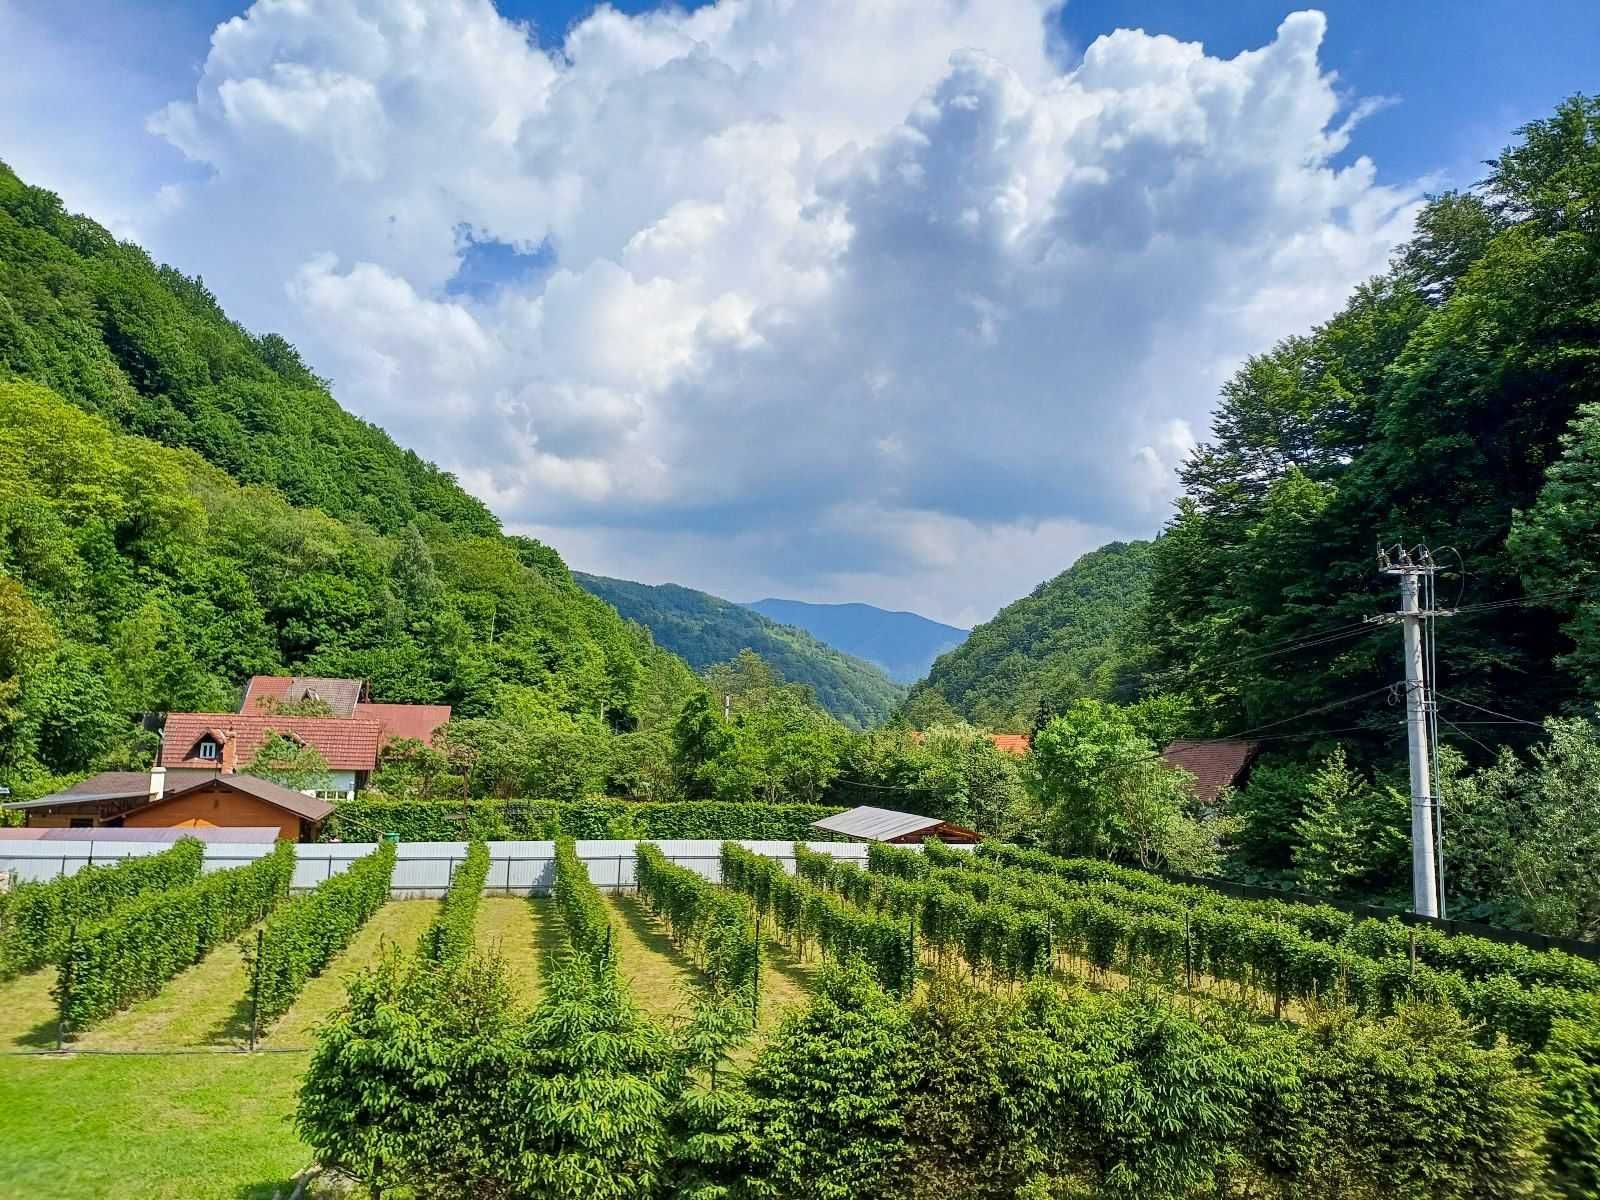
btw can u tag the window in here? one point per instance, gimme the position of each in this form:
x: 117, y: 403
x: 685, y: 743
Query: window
x: 81, y: 823
x: 208, y: 749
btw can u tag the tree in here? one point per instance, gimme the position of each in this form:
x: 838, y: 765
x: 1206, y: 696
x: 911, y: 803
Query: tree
x: 287, y: 760
x: 1351, y: 832
x: 700, y: 739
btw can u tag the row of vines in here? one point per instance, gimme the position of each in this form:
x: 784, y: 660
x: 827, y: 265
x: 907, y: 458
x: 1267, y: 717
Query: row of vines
x: 583, y: 912
x: 134, y: 952
x: 712, y: 925
x: 37, y: 919
x: 448, y: 941
x: 302, y: 937
x: 805, y: 913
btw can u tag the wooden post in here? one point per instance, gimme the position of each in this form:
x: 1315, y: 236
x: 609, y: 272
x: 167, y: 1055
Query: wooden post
x: 255, y: 989
x: 755, y: 978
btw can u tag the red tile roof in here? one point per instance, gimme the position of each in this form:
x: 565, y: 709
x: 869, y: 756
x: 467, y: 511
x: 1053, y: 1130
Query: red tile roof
x: 420, y: 721
x: 347, y: 744
x: 341, y: 695
x: 1011, y: 743
x: 1214, y: 765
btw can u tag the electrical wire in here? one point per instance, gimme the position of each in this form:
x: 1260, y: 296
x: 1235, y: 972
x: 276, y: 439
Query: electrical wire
x: 1490, y: 711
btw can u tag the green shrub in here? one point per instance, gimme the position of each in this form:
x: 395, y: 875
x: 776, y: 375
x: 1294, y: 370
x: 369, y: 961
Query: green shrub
x: 713, y: 924
x: 38, y: 917
x: 583, y: 912
x: 302, y: 936
x: 365, y: 818
x: 135, y: 951
x: 448, y: 940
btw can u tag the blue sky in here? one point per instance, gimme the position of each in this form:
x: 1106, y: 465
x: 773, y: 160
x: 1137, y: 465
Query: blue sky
x: 903, y: 301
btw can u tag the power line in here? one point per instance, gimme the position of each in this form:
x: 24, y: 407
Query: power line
x: 1490, y: 711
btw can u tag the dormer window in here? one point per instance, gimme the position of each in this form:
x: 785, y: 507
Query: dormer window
x: 208, y: 749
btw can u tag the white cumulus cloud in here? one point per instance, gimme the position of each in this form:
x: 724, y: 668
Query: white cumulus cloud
x: 846, y: 299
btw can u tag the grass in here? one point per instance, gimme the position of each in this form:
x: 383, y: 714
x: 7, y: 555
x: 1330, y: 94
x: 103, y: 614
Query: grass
x: 660, y: 975
x: 27, y: 1013
x: 509, y: 928
x: 149, y: 1127
x: 398, y: 923
x: 207, y: 1006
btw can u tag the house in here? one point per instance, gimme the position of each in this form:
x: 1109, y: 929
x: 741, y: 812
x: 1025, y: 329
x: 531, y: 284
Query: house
x: 179, y: 799
x: 1214, y: 764
x: 349, y: 740
x: 868, y: 824
x: 1009, y: 743
x: 229, y: 742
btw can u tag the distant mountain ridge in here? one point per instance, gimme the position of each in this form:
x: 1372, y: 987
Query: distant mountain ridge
x: 704, y: 630
x: 903, y: 644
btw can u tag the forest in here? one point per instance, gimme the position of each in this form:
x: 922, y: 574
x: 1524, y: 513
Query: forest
x: 705, y: 630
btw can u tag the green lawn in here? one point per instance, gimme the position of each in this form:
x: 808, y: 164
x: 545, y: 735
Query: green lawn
x: 508, y: 928
x: 207, y: 1006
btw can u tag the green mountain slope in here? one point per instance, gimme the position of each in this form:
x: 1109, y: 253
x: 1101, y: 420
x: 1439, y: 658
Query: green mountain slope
x: 903, y: 644
x: 706, y: 629
x: 272, y: 532
x: 1056, y: 644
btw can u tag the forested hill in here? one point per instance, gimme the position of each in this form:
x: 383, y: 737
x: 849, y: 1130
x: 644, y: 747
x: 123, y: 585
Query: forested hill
x: 149, y: 350
x: 271, y: 532
x: 706, y: 630
x: 1058, y: 643
x: 903, y: 644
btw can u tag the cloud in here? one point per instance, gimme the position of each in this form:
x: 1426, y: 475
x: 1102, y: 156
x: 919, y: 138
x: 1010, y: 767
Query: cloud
x: 846, y: 300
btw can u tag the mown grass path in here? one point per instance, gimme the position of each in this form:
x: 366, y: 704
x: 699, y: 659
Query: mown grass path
x: 398, y: 923
x: 27, y: 1012
x: 204, y: 1007
x: 508, y: 928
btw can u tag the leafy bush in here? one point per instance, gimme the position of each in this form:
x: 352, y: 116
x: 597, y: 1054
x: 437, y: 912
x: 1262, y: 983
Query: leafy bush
x: 38, y: 917
x: 513, y: 820
x: 583, y: 912
x: 302, y: 936
x: 712, y: 923
x: 449, y: 939
x: 143, y: 944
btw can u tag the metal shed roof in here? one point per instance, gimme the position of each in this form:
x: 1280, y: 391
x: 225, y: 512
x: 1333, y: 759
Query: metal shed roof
x: 875, y: 824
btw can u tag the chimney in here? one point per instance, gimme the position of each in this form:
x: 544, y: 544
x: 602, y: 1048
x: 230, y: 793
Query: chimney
x: 229, y: 751
x: 158, y: 783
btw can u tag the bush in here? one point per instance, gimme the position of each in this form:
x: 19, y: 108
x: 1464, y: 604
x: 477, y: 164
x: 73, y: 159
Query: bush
x: 301, y: 938
x: 38, y: 917
x: 364, y: 818
x: 714, y: 924
x: 143, y: 944
x: 449, y: 939
x: 583, y: 912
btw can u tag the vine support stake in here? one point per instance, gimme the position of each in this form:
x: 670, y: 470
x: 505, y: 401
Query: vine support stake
x: 66, y: 988
x: 255, y: 990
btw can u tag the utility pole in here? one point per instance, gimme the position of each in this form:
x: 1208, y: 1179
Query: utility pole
x: 1413, y: 570
x: 727, y: 706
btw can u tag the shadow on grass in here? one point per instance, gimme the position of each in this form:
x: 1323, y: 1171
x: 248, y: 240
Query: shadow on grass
x: 777, y: 957
x: 549, y: 938
x: 234, y: 1029
x: 42, y: 1036
x: 277, y: 1189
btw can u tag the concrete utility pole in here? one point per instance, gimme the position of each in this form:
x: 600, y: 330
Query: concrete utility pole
x: 727, y: 706
x: 1426, y: 889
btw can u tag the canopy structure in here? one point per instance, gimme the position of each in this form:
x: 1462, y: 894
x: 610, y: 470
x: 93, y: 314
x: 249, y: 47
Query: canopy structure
x: 870, y: 824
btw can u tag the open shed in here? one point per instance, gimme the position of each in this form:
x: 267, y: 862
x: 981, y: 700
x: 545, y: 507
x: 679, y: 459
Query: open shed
x: 868, y: 824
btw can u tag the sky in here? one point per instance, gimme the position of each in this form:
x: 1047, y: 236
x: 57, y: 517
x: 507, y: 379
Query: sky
x: 909, y: 302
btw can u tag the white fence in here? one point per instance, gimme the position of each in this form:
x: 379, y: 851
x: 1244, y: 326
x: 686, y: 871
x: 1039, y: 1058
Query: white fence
x: 421, y: 868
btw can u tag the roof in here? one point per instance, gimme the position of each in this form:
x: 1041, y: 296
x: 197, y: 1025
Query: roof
x: 114, y: 785
x: 1011, y: 743
x: 341, y: 695
x: 1214, y: 765
x: 875, y: 824
x: 306, y: 807
x: 420, y: 721
x: 346, y: 744
x: 107, y: 833
x: 179, y: 783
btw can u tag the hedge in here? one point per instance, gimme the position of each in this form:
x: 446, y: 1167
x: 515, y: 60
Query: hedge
x: 449, y: 939
x: 302, y: 936
x: 805, y: 911
x: 715, y: 926
x: 363, y: 819
x: 583, y: 912
x: 39, y: 917
x: 141, y: 945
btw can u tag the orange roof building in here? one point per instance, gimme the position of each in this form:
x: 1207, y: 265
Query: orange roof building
x: 1214, y: 764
